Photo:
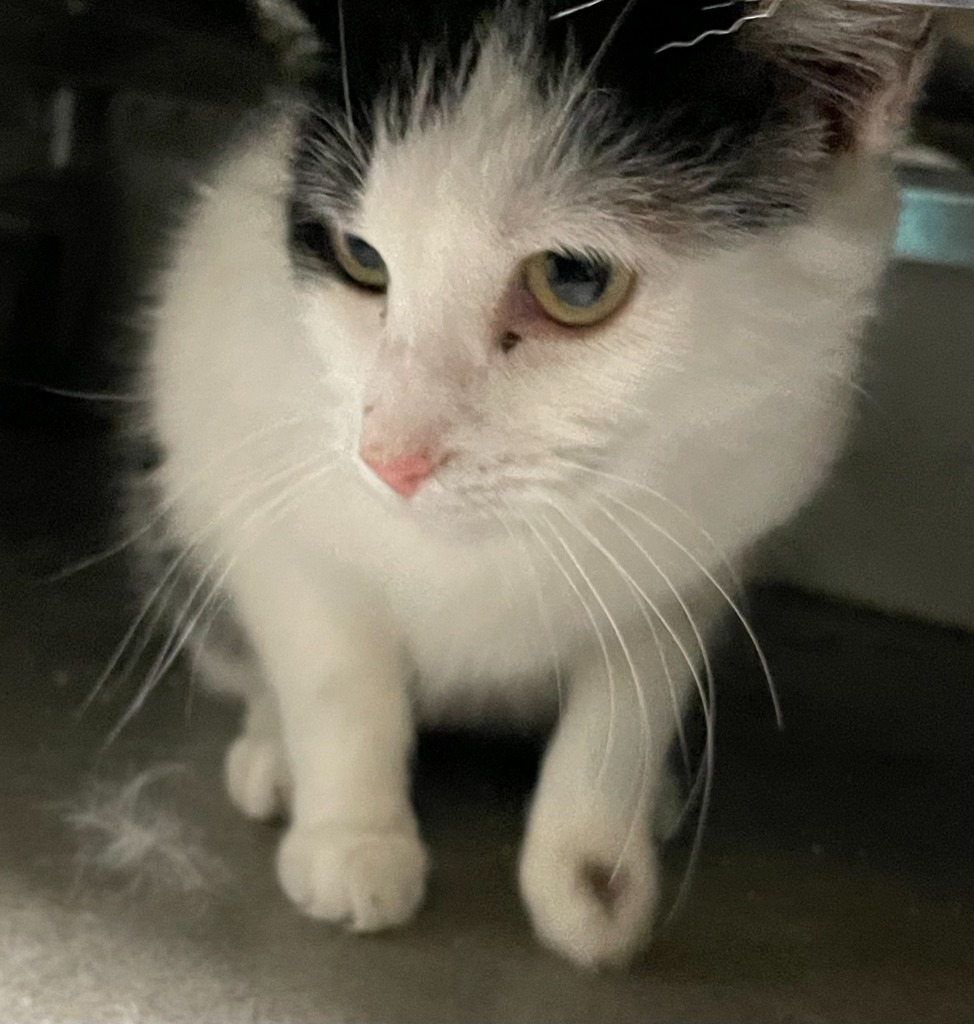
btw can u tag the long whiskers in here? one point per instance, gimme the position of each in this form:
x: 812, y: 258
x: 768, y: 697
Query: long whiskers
x: 542, y: 611
x: 706, y: 696
x: 583, y: 82
x: 346, y: 89
x: 730, y: 601
x: 150, y: 612
x: 668, y: 582
x: 165, y: 507
x: 645, y: 721
x: 735, y: 580
x: 721, y: 589
x: 87, y: 396
x: 640, y: 593
x: 647, y: 601
x: 703, y: 782
x: 600, y: 637
x: 188, y: 619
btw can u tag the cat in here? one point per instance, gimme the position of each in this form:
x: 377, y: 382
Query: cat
x: 479, y: 369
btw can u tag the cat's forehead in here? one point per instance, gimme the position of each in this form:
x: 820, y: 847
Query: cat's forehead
x: 592, y: 109
x: 500, y: 168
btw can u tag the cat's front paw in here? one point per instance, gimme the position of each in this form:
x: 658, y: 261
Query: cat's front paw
x: 369, y: 880
x: 591, y: 891
x: 257, y: 776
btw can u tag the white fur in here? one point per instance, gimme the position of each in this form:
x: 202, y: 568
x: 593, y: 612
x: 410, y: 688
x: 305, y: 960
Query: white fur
x: 723, y: 386
x: 126, y: 832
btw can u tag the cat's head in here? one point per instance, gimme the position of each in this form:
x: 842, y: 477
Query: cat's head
x: 500, y: 215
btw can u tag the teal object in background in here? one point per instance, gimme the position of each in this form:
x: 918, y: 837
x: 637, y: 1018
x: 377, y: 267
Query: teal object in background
x: 937, y: 219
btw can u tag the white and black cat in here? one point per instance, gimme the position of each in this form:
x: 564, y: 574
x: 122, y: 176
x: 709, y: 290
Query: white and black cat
x: 479, y: 372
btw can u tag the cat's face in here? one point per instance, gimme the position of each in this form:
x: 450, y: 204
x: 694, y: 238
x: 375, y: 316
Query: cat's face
x: 504, y: 252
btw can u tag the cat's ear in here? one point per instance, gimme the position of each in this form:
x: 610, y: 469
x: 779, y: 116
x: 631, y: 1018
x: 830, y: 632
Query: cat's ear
x: 862, y: 63
x: 291, y: 35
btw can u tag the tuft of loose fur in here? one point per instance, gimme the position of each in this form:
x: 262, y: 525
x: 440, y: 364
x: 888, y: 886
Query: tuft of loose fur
x: 124, y: 831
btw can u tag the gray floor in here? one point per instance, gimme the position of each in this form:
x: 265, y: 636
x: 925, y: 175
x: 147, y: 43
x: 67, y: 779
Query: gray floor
x: 837, y: 882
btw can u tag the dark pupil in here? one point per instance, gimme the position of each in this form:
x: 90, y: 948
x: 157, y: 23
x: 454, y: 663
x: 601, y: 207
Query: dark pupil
x: 363, y: 253
x: 576, y: 282
x: 310, y: 236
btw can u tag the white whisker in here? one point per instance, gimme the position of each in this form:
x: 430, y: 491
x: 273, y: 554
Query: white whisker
x: 182, y: 629
x: 704, y: 775
x: 90, y: 396
x: 149, y: 606
x: 600, y: 638
x: 732, y: 604
x: 706, y: 699
x: 646, y: 723
x: 343, y: 59
x: 583, y: 80
x: 542, y: 611
x: 173, y: 499
x: 768, y: 12
x: 736, y: 582
x: 640, y: 592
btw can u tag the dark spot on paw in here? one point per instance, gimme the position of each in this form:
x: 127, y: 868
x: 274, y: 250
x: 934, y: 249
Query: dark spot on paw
x: 606, y: 883
x: 147, y: 456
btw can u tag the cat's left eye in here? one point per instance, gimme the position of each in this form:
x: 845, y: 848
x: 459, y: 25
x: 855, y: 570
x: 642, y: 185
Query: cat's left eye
x: 360, y: 261
x: 577, y: 290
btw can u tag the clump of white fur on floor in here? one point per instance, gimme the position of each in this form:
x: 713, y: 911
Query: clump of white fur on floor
x: 125, y: 829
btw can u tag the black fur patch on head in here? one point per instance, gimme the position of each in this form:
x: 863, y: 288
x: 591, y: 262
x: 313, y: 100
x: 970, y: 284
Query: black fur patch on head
x: 712, y: 130
x: 705, y: 138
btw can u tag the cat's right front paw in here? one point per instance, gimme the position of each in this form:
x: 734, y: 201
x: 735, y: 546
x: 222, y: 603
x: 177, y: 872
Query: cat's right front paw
x: 369, y: 880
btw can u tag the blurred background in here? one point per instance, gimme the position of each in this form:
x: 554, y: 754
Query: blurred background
x: 840, y: 879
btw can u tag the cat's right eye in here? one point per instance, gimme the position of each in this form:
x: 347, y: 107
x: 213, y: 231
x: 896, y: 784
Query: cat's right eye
x: 360, y: 261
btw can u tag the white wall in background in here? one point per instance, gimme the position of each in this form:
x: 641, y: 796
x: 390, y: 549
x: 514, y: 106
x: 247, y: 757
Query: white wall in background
x: 895, y: 526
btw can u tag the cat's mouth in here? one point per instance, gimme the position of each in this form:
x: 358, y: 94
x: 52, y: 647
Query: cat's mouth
x: 453, y: 496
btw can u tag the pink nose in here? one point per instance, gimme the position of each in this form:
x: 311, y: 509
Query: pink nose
x: 404, y: 475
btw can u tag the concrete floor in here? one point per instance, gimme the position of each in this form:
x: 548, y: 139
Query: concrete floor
x: 837, y: 880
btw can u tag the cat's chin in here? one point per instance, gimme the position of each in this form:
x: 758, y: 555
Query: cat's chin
x: 449, y: 516
x: 439, y: 510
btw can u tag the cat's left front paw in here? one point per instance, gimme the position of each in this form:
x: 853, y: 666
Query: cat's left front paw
x: 368, y: 880
x: 591, y: 891
x: 257, y: 777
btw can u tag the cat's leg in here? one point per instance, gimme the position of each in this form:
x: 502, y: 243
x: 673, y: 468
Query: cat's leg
x: 588, y: 869
x: 352, y: 853
x: 256, y: 771
x: 255, y: 768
